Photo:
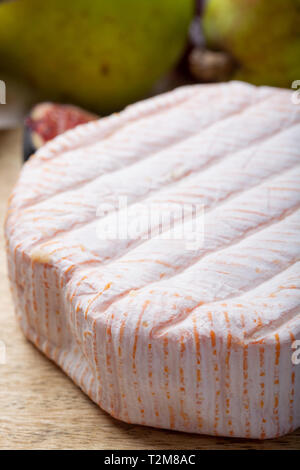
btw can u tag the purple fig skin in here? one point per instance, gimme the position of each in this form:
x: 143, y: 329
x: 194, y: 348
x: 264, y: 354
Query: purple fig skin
x: 200, y: 4
x: 47, y: 120
x: 196, y: 38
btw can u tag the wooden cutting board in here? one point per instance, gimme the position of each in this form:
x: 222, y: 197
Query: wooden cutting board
x: 40, y: 408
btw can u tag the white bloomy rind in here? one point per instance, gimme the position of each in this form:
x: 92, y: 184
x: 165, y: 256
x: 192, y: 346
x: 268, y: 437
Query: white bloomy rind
x: 156, y: 333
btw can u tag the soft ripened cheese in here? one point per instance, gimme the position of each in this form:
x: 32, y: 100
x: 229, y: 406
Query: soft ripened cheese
x: 196, y: 335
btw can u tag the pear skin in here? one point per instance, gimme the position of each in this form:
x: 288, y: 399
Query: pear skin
x: 262, y: 35
x: 101, y: 54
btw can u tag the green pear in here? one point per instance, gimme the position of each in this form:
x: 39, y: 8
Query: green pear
x: 262, y: 35
x: 101, y: 54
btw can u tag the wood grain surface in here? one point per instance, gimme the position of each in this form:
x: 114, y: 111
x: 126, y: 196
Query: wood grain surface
x: 40, y: 408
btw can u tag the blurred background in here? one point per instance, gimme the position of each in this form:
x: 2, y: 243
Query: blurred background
x: 102, y: 55
x: 65, y: 62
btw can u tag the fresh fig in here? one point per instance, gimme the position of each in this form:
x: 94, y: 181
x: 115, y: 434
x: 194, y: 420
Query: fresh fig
x: 47, y: 120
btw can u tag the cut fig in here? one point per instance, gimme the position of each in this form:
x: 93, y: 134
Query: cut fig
x: 47, y: 120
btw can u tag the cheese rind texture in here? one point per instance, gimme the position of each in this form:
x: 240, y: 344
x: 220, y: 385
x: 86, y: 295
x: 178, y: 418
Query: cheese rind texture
x: 194, y: 335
